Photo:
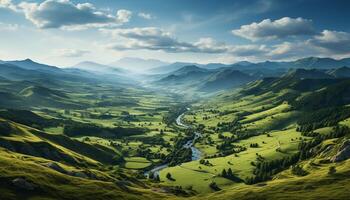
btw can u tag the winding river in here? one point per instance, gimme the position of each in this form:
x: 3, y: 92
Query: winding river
x: 196, y: 154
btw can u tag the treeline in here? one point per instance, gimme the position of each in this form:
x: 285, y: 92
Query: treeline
x: 305, y: 147
x: 265, y: 169
x: 227, y: 148
x: 179, y: 153
x: 149, y: 155
x: 332, y: 96
x: 5, y: 128
x: 230, y: 175
x: 173, y: 113
x: 87, y: 129
x: 322, y: 118
x: 28, y: 118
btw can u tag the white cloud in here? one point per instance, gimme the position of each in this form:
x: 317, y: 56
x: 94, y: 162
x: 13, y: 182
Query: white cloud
x: 145, y: 15
x: 8, y: 4
x: 280, y: 28
x: 124, y: 16
x: 332, y: 42
x: 152, y: 38
x: 72, y: 53
x: 65, y: 14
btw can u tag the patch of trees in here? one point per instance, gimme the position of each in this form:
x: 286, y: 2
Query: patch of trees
x: 322, y: 118
x: 332, y: 96
x: 229, y: 175
x: 173, y: 113
x: 205, y: 162
x: 87, y: 129
x: 28, y: 118
x: 265, y: 169
x: 5, y: 128
x: 227, y: 148
x: 298, y: 170
x: 153, y: 140
x: 306, y: 147
x: 148, y: 154
x: 254, y: 145
x: 179, y: 156
x: 232, y: 126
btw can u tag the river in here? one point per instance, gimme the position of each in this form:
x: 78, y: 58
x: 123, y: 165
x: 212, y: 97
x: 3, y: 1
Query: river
x: 196, y: 154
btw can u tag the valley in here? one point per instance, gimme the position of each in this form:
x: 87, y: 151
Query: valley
x: 92, y: 137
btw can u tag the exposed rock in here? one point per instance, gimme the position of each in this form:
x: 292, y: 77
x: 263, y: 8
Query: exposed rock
x: 343, y: 153
x: 23, y: 184
x: 78, y: 174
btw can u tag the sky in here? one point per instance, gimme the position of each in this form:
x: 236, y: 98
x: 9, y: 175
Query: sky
x: 65, y: 32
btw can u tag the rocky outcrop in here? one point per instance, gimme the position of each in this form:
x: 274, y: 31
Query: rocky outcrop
x: 22, y: 183
x: 343, y: 153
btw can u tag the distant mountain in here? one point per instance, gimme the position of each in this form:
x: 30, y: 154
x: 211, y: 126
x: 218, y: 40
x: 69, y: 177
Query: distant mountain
x: 319, y: 63
x: 189, y: 69
x: 178, y: 65
x: 226, y: 79
x: 164, y: 69
x: 308, y: 74
x: 187, y: 75
x: 14, y: 72
x: 96, y: 67
x: 31, y: 65
x: 137, y: 64
x: 306, y: 63
x: 193, y: 77
x: 214, y: 65
x: 342, y: 72
x: 297, y: 79
x: 263, y: 69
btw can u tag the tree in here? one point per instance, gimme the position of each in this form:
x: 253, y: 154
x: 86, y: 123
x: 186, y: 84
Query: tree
x: 229, y: 172
x: 224, y: 173
x: 332, y: 170
x: 214, y: 186
x: 168, y: 176
x: 156, y: 178
x: 151, y: 175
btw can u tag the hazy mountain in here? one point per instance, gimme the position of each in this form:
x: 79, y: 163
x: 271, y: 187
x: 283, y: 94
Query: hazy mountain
x: 178, y: 65
x: 188, y: 69
x: 137, y: 64
x: 214, y: 65
x: 226, y: 79
x: 96, y: 67
x: 164, y: 69
x: 342, y: 72
x: 186, y: 75
x: 315, y: 62
x: 308, y: 74
x: 31, y: 65
x: 205, y: 80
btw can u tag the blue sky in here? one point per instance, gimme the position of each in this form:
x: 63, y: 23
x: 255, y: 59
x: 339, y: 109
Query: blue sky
x: 64, y: 32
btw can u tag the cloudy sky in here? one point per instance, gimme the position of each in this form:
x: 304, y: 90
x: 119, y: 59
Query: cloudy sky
x: 64, y: 32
